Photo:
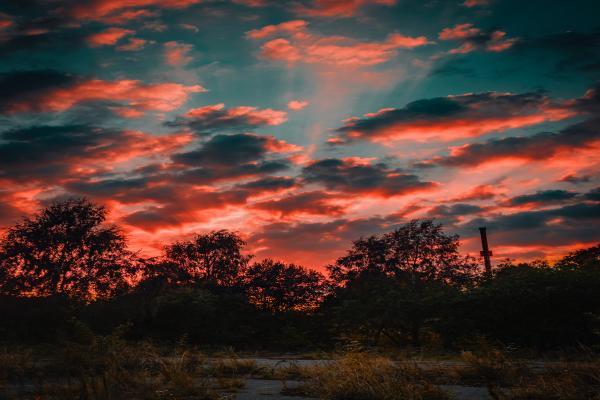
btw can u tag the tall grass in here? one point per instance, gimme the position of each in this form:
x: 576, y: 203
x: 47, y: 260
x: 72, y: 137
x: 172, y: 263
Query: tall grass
x: 365, y: 377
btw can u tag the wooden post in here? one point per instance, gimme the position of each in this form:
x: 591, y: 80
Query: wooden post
x: 486, y: 253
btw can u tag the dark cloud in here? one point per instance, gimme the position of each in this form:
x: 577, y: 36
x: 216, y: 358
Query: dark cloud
x: 350, y: 177
x: 575, y: 179
x: 227, y: 150
x: 453, y: 67
x: 216, y: 118
x: 451, y: 117
x: 125, y: 190
x: 450, y: 215
x: 315, y: 243
x: 570, y: 224
x: 313, y: 203
x: 25, y: 86
x: 231, y: 156
x: 44, y: 152
x: 537, y: 147
x: 569, y: 51
x: 212, y: 174
x: 51, y: 91
x: 270, y: 183
x: 472, y: 39
x: 541, y: 197
x: 593, y: 194
x: 50, y: 154
x: 185, y: 206
x: 35, y: 26
x: 456, y: 210
x: 153, y: 218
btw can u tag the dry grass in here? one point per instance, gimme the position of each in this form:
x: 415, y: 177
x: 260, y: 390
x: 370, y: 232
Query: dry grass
x: 365, y: 377
x: 514, y: 380
x: 560, y: 381
x: 233, y: 367
x: 106, y: 368
x: 15, y: 364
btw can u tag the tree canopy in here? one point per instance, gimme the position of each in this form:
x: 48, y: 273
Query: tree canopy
x: 66, y: 249
x: 215, y: 258
x: 410, y: 286
x: 279, y: 287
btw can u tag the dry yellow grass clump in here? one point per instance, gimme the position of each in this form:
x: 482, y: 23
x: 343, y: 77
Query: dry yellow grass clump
x: 366, y: 377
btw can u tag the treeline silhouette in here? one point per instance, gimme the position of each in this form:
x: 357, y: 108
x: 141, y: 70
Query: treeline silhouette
x: 410, y: 287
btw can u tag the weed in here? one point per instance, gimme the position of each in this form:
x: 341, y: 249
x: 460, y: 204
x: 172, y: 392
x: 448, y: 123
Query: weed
x: 366, y: 377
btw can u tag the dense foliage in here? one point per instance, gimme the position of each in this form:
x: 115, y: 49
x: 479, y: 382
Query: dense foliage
x: 408, y: 287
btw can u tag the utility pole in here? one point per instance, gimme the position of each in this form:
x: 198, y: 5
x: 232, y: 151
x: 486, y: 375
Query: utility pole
x: 486, y: 253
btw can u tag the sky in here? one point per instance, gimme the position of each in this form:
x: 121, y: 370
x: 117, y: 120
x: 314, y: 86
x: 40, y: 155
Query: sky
x: 307, y: 124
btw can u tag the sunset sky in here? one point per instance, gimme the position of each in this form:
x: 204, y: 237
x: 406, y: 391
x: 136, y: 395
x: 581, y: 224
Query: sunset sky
x: 307, y: 124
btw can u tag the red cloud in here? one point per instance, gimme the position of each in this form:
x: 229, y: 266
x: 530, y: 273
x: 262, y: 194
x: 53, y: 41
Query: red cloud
x: 216, y: 116
x: 300, y: 45
x: 134, y: 44
x: 460, y: 31
x: 313, y: 203
x: 480, y: 192
x: 183, y: 206
x: 108, y: 37
x: 251, y: 3
x: 289, y: 27
x: 297, y: 105
x: 580, y: 137
x: 136, y: 97
x: 474, y: 38
x: 122, y: 10
x: 177, y: 53
x: 453, y: 117
x: 475, y: 3
x: 5, y: 21
x: 135, y: 144
x: 339, y: 8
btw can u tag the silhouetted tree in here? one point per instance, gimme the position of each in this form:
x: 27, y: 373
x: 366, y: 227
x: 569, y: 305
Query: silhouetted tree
x: 416, y: 253
x: 66, y: 249
x: 535, y: 304
x: 583, y: 258
x: 398, y: 279
x: 279, y: 287
x: 215, y: 258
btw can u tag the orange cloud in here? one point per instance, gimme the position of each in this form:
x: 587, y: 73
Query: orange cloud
x: 111, y: 10
x: 475, y: 3
x: 338, y: 8
x: 108, y: 37
x: 300, y: 45
x: 136, y: 97
x: 479, y: 192
x: 134, y: 44
x: 5, y: 21
x: 176, y: 53
x: 312, y: 203
x: 453, y: 117
x: 460, y: 31
x: 296, y: 105
x: 216, y: 117
x: 474, y: 38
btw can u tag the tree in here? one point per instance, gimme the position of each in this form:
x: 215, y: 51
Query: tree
x: 536, y: 304
x: 582, y: 258
x: 416, y: 253
x: 66, y: 249
x: 278, y: 287
x: 399, y: 279
x: 214, y: 258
